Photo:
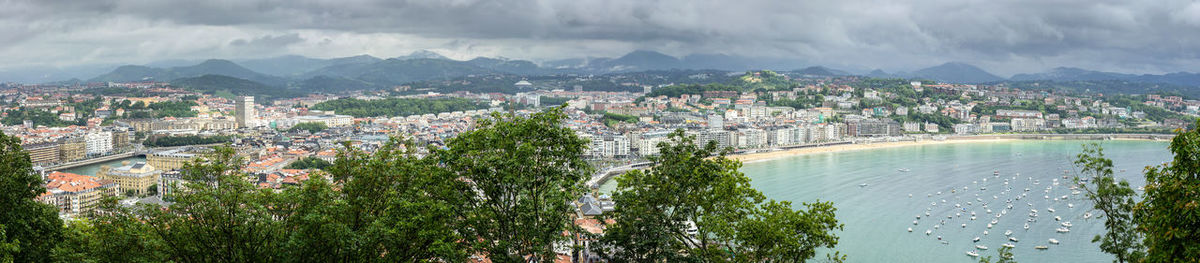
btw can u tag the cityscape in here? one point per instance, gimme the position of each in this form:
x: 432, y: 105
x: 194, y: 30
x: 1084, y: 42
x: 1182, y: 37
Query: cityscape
x: 650, y: 140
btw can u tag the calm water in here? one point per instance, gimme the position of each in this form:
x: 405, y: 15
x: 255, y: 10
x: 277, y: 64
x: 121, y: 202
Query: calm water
x: 92, y: 168
x: 877, y: 216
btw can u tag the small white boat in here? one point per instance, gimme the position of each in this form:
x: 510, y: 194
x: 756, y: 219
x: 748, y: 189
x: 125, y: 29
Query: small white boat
x: 964, y: 225
x: 975, y: 240
x: 927, y: 231
x: 1041, y: 247
x: 1087, y: 215
x: 1057, y: 218
x: 972, y: 217
x: 972, y: 254
x: 981, y: 247
x: 985, y: 232
x: 1008, y: 245
x: 1062, y: 230
x: 903, y: 170
x: 1067, y: 224
x: 862, y: 185
x: 914, y: 222
x: 1026, y: 226
x: 910, y: 230
x: 1070, y: 205
x: 1013, y: 239
x: 1050, y: 209
x: 1054, y: 241
x: 1007, y: 232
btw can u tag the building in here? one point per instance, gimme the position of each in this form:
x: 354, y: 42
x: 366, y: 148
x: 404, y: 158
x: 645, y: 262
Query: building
x: 42, y: 153
x: 76, y: 194
x: 245, y: 111
x: 647, y: 144
x: 98, y: 142
x: 174, y: 159
x: 71, y: 149
x: 873, y: 128
x: 137, y: 178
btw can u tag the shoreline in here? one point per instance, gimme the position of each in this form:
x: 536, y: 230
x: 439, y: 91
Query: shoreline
x: 906, y: 141
x: 869, y: 145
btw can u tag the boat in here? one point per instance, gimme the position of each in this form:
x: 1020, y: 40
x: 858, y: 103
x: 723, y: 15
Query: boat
x: 964, y: 225
x: 914, y: 222
x: 1057, y: 218
x: 975, y: 240
x: 1013, y: 239
x: 1026, y: 226
x: 1007, y: 232
x: 981, y: 247
x: 985, y: 232
x: 1087, y: 215
x: 1054, y: 241
x: 1050, y: 209
x: 862, y: 185
x: 972, y: 217
x: 905, y: 170
x: 910, y: 229
x: 927, y: 231
x: 1062, y: 230
x: 1067, y: 224
x: 1041, y: 247
x: 1069, y: 205
x: 1008, y: 245
x: 972, y: 254
x: 989, y: 226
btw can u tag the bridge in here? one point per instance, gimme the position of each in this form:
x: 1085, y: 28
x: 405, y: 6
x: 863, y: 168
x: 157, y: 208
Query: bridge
x: 603, y: 175
x: 141, y: 151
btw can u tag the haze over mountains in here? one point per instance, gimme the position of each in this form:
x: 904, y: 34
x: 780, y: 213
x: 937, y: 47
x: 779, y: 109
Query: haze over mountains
x: 365, y: 71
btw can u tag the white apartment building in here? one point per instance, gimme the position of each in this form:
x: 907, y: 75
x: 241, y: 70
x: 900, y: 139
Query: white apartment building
x: 98, y: 142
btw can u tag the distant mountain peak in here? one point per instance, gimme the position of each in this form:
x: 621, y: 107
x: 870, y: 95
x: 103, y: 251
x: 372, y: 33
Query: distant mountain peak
x: 422, y: 54
x: 956, y: 72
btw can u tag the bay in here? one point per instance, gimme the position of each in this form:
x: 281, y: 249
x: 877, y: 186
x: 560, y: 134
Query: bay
x: 878, y: 215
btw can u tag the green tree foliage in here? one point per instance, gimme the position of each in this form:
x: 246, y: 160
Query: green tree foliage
x: 309, y: 163
x: 392, y: 207
x: 37, y: 116
x: 311, y: 127
x: 1005, y: 254
x: 694, y: 89
x: 611, y: 119
x: 396, y: 106
x: 7, y: 248
x: 220, y: 215
x: 171, y: 141
x: 31, y: 228
x: 692, y: 207
x: 524, y: 171
x: 1169, y: 213
x: 1115, y: 201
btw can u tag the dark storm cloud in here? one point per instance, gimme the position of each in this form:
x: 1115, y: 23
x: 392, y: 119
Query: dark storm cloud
x: 1003, y: 36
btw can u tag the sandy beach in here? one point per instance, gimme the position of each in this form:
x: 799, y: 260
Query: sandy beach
x: 765, y: 156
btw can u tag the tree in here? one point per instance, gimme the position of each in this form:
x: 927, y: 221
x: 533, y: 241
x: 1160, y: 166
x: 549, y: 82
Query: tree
x: 392, y: 207
x: 692, y: 206
x: 1115, y: 200
x: 311, y: 127
x: 524, y: 172
x: 7, y: 248
x: 218, y: 215
x: 1169, y: 213
x: 1005, y: 253
x: 32, y: 227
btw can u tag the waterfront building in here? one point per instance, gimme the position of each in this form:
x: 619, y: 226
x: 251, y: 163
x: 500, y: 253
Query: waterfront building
x: 873, y: 128
x: 98, y: 142
x: 76, y: 194
x: 138, y: 177
x: 174, y: 159
x: 42, y: 153
x: 71, y: 149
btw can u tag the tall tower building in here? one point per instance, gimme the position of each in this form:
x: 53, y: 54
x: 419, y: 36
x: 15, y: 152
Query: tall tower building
x: 245, y: 111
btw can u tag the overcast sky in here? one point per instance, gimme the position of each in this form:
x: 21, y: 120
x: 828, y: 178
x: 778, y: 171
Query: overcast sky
x: 1004, y: 37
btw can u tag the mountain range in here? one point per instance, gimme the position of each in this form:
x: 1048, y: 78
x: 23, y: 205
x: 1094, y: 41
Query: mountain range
x: 368, y: 72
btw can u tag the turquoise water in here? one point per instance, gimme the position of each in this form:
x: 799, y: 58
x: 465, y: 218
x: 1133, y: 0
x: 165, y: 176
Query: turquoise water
x: 92, y: 168
x: 877, y: 216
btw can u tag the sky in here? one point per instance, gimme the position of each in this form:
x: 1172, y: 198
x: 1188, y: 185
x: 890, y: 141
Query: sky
x: 1002, y: 36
